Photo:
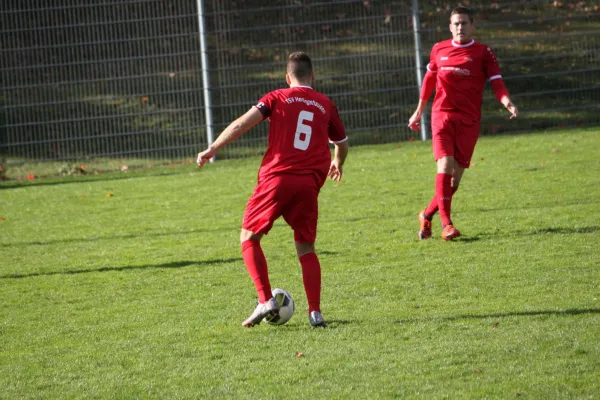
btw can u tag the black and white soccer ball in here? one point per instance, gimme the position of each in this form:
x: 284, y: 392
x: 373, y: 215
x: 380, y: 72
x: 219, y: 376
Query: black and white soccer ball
x: 286, y: 308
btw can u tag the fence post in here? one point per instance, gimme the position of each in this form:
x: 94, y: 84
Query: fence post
x: 418, y: 66
x: 205, y: 75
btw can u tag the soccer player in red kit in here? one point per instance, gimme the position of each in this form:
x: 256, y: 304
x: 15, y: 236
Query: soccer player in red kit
x: 294, y: 168
x: 457, y: 70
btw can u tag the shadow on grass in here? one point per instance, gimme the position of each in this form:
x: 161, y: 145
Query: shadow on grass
x: 177, y: 264
x: 538, y: 231
x: 566, y: 231
x: 118, y: 237
x: 572, y: 311
x: 109, y: 176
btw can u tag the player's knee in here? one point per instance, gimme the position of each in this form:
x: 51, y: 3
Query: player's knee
x: 303, y: 248
x: 445, y: 165
x: 248, y: 235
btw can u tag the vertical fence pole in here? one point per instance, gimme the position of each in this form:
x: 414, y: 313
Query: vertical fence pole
x: 418, y: 65
x: 205, y: 75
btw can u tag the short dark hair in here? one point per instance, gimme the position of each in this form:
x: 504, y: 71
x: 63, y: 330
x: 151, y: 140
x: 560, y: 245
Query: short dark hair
x: 299, y: 65
x: 462, y: 10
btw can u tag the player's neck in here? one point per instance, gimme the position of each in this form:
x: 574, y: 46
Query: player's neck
x: 296, y: 84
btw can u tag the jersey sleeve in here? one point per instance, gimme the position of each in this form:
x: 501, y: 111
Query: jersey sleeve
x: 336, y: 130
x: 490, y: 65
x: 266, y: 104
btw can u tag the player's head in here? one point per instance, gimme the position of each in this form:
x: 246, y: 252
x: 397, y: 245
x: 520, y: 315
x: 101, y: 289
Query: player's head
x: 299, y: 69
x: 462, y: 25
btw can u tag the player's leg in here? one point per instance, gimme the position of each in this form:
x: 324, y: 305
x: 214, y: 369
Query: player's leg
x: 443, y: 187
x: 467, y: 133
x: 256, y: 264
x: 302, y: 216
x: 311, y: 277
x: 444, y: 190
x: 443, y: 128
x: 263, y: 208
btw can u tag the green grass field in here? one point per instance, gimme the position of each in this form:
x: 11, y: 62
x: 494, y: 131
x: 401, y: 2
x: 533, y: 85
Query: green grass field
x: 141, y: 294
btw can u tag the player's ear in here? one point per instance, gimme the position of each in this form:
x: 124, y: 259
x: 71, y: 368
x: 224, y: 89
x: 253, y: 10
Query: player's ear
x: 288, y: 80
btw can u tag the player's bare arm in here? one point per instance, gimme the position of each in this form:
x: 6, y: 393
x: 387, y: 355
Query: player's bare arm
x: 427, y: 89
x: 414, y: 122
x: 512, y: 109
x: 236, y: 129
x: 339, y: 157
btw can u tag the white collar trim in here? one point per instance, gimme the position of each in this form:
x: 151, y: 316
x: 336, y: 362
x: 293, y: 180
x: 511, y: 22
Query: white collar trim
x: 463, y: 45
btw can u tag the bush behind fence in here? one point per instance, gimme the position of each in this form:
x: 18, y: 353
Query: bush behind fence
x: 123, y: 79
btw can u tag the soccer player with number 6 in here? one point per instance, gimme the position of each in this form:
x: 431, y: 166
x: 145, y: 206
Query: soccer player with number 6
x: 458, y: 69
x: 294, y: 168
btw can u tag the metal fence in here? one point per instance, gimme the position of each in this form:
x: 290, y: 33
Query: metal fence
x: 118, y: 79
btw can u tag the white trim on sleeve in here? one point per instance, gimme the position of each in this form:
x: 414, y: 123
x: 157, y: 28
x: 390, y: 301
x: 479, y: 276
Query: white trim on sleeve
x: 428, y: 69
x: 495, y: 77
x: 339, y: 141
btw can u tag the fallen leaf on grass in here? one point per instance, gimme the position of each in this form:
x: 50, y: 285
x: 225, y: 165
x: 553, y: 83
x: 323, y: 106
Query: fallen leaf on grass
x: 495, y: 324
x: 476, y: 371
x: 82, y: 196
x: 2, y: 219
x: 299, y: 354
x: 109, y: 195
x: 31, y: 177
x: 554, y: 150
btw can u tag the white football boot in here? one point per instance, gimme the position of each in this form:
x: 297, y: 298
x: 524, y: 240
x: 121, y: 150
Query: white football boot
x: 269, y: 307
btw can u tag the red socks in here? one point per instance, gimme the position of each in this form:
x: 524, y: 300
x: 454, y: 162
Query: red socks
x: 311, y: 275
x: 256, y: 264
x: 432, y: 208
x: 443, y: 192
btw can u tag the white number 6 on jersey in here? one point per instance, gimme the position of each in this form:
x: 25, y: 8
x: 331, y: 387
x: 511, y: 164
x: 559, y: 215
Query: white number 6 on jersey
x: 299, y: 142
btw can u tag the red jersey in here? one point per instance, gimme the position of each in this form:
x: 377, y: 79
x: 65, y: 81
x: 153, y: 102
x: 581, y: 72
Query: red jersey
x: 462, y: 70
x: 302, y: 122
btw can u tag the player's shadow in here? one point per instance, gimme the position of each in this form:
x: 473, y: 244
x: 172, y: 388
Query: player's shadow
x: 565, y: 231
x: 531, y: 232
x: 469, y: 239
x: 334, y: 323
x: 568, y: 312
x: 177, y: 264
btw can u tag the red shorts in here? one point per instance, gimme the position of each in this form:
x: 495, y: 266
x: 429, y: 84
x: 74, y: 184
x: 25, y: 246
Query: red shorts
x: 454, y: 136
x: 293, y: 197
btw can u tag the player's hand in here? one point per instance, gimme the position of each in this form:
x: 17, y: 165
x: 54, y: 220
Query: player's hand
x: 414, y: 122
x: 512, y: 109
x: 335, y: 171
x: 205, y: 157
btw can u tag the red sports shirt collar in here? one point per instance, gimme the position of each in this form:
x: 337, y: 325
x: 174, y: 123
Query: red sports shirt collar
x: 462, y: 45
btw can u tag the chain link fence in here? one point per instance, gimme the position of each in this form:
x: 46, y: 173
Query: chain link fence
x: 122, y: 80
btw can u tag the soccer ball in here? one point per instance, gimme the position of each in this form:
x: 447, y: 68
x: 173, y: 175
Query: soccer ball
x: 286, y: 308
